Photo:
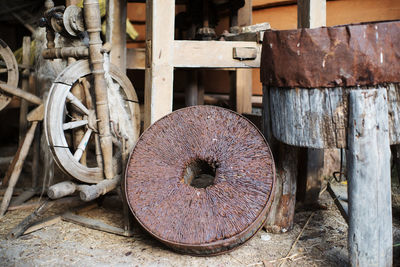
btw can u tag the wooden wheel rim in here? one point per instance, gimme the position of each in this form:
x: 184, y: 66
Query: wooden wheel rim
x: 54, y: 119
x: 12, y: 72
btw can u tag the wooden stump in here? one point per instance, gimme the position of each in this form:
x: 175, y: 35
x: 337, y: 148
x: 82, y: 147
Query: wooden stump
x: 370, y: 216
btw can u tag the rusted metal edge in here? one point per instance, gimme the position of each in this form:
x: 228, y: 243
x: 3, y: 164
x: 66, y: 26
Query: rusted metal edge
x: 220, y: 246
x: 339, y: 56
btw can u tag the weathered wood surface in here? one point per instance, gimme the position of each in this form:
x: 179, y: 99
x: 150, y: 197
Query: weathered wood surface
x: 62, y: 189
x: 244, y: 78
x: 368, y: 157
x: 91, y: 192
x: 23, y: 110
x: 196, y: 54
x: 116, y: 32
x: 317, y: 118
x: 21, y: 93
x: 311, y: 14
x: 159, y: 72
x: 280, y: 216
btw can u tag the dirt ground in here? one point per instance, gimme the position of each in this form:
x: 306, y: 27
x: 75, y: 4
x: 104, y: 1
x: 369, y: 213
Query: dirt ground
x: 323, y: 243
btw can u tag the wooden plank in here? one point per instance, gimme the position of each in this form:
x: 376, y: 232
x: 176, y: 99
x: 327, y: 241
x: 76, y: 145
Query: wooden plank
x: 368, y: 158
x: 92, y: 224
x: 42, y: 224
x: 311, y: 13
x: 196, y: 54
x: 160, y: 50
x: 136, y: 58
x: 116, y: 32
x: 23, y: 110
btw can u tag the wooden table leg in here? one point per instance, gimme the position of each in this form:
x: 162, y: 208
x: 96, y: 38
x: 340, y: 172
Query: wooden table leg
x: 370, y: 209
x: 281, y: 214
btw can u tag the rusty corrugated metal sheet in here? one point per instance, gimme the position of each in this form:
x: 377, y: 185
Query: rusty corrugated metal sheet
x: 195, y: 219
x: 340, y: 56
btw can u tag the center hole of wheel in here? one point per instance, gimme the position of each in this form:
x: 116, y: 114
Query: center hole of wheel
x: 199, y: 173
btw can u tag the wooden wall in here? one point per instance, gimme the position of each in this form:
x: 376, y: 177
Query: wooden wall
x: 282, y: 14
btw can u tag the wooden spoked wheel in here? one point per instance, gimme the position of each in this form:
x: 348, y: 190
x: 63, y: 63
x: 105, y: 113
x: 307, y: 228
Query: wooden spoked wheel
x: 71, y: 124
x: 8, y: 72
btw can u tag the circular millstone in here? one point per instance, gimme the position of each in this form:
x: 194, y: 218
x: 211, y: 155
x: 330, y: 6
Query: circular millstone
x: 200, y: 180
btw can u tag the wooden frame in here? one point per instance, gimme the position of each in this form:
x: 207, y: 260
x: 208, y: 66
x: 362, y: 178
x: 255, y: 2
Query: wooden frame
x: 164, y: 54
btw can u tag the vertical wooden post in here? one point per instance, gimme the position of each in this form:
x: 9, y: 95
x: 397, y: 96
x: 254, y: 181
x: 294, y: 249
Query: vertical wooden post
x: 280, y: 216
x: 368, y: 158
x: 159, y: 72
x: 311, y: 14
x: 23, y: 111
x: 244, y: 79
x: 116, y: 32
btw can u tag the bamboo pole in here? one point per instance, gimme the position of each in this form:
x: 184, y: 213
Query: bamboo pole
x: 18, y: 168
x: 93, y: 25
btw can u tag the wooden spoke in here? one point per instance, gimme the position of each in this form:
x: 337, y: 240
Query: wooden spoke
x: 3, y: 70
x: 82, y: 145
x: 74, y: 124
x: 99, y: 157
x: 75, y: 101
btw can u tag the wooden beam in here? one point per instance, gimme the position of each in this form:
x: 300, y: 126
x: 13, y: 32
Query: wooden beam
x: 244, y: 78
x: 368, y: 158
x: 116, y: 32
x: 23, y: 110
x: 160, y: 50
x: 196, y: 54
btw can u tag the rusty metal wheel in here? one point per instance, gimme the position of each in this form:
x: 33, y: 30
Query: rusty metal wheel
x: 200, y: 180
x: 68, y: 111
x: 8, y: 72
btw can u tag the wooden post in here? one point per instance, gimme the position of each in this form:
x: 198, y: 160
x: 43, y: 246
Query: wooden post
x: 280, y: 216
x: 241, y: 91
x: 311, y: 14
x: 23, y: 110
x: 116, y: 32
x: 159, y: 72
x: 368, y: 158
